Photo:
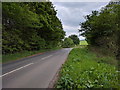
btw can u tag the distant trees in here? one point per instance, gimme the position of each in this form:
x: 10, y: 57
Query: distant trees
x: 102, y: 28
x: 71, y: 41
x: 30, y: 26
x: 68, y: 42
x: 75, y: 39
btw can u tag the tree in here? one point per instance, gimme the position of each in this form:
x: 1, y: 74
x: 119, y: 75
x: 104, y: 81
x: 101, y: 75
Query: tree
x: 101, y: 28
x: 30, y: 26
x: 68, y: 42
x: 75, y: 39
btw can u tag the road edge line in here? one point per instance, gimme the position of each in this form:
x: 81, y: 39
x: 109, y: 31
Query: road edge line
x: 16, y: 69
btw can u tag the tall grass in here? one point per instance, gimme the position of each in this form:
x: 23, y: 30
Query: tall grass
x: 84, y: 69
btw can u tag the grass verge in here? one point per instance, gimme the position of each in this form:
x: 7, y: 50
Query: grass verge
x: 84, y: 69
x: 16, y: 56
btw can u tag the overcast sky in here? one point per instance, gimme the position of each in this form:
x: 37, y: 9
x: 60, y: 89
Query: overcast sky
x: 72, y: 13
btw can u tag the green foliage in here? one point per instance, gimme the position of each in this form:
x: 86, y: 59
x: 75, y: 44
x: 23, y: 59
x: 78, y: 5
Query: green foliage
x: 68, y: 42
x: 75, y: 39
x: 81, y: 70
x: 30, y: 26
x: 102, y: 28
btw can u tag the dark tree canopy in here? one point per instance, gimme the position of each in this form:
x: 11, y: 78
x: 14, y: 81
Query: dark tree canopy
x: 75, y: 39
x: 102, y: 28
x: 30, y: 26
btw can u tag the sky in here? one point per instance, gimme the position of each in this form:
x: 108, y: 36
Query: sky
x: 72, y: 13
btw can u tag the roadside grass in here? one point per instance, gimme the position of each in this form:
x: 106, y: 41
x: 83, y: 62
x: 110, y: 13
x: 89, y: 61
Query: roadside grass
x: 84, y: 69
x: 83, y: 42
x: 19, y: 55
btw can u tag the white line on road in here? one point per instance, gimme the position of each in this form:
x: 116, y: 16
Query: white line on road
x: 16, y: 69
x: 47, y: 57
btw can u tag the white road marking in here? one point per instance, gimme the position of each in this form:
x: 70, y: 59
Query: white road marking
x: 16, y: 69
x: 23, y: 67
x: 47, y: 57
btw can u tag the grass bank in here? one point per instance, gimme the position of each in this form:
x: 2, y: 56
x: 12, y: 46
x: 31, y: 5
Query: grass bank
x: 84, y: 69
x: 83, y: 42
x: 19, y: 55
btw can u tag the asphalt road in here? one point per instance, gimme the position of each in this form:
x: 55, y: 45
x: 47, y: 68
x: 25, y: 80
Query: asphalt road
x: 33, y: 72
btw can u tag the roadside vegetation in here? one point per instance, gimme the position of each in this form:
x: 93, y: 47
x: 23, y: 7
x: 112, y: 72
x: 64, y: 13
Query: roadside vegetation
x: 84, y: 69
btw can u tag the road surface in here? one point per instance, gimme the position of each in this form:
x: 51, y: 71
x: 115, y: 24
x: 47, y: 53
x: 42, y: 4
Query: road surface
x: 33, y: 72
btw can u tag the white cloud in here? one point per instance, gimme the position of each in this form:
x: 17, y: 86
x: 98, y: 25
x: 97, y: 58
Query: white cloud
x: 80, y: 0
x: 72, y: 30
x: 72, y: 13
